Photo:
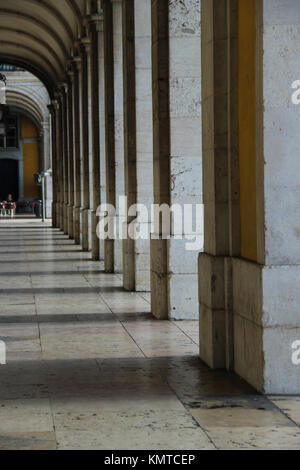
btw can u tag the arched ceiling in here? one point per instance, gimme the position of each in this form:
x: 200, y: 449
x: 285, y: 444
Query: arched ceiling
x: 38, y: 35
x: 26, y: 103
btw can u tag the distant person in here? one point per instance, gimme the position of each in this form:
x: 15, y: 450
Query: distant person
x: 10, y: 205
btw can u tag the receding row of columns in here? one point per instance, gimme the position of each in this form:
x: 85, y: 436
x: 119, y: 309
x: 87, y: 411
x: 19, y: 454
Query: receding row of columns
x: 124, y: 123
x: 140, y: 97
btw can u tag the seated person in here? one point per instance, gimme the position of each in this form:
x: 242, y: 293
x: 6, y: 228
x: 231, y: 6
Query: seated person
x: 10, y: 205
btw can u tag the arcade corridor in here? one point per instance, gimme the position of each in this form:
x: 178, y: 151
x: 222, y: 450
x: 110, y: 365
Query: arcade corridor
x: 89, y: 367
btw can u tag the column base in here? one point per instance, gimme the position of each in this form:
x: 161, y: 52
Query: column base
x: 61, y: 216
x: 183, y: 280
x: 109, y: 255
x: 129, y: 264
x: 212, y: 311
x: 159, y: 278
x: 65, y: 213
x: 70, y: 221
x: 54, y: 215
x: 118, y: 248
x: 95, y: 240
x: 76, y: 224
x: 174, y: 279
x: 136, y: 257
x: 266, y: 319
x: 84, y: 213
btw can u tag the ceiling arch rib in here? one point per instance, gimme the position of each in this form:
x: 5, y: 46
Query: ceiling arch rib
x: 29, y: 51
x: 76, y: 9
x: 25, y: 106
x: 21, y: 94
x: 32, y: 19
x: 9, y: 34
x: 38, y: 35
x: 55, y: 15
x: 32, y: 67
x: 11, y: 21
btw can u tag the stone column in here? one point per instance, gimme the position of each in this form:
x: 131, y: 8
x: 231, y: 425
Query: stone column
x: 70, y: 152
x: 185, y: 156
x: 96, y: 34
x: 84, y: 136
x: 65, y: 159
x: 46, y: 144
x: 46, y: 150
x: 176, y: 61
x: 76, y: 150
x: 119, y: 127
x: 90, y: 127
x: 103, y: 169
x: 58, y: 182
x: 144, y: 138
x: 266, y: 295
x: 130, y: 171
x: 161, y: 153
x: 54, y: 163
x: 215, y: 130
x: 109, y: 109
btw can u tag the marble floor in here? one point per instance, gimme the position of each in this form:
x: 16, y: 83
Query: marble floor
x: 88, y: 367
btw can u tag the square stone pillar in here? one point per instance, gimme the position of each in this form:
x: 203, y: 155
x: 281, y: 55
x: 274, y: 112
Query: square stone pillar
x: 117, y: 21
x: 54, y: 163
x: 161, y: 153
x: 58, y: 182
x: 128, y: 46
x: 70, y: 152
x: 177, y: 153
x: 217, y: 160
x: 76, y: 149
x: 266, y: 295
x: 85, y: 99
x: 248, y: 288
x: 64, y: 90
x: 185, y: 152
x: 96, y: 35
x: 103, y: 123
x: 109, y: 135
x: 138, y: 138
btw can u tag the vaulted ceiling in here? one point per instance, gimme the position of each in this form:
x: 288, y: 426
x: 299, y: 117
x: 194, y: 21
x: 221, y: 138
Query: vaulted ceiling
x: 38, y: 35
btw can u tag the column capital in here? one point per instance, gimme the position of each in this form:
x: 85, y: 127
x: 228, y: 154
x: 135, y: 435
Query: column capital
x: 77, y: 62
x: 69, y: 67
x: 56, y: 104
x: 70, y: 74
x: 51, y: 107
x: 86, y: 43
x: 97, y: 19
x: 62, y: 88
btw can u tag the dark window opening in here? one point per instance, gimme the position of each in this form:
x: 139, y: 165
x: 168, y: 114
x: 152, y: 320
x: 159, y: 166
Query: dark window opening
x: 10, y: 139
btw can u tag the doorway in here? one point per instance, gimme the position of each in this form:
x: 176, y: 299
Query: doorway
x: 9, y: 178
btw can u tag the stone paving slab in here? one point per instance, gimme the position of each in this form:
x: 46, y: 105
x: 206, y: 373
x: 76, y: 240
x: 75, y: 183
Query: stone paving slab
x: 88, y: 367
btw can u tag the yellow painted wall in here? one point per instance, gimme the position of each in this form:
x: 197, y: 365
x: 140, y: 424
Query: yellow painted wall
x: 31, y: 158
x: 247, y: 127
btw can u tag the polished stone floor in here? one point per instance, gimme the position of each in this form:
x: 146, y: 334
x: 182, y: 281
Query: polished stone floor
x: 88, y: 367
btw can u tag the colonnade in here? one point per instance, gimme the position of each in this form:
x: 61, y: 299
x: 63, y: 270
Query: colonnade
x: 148, y: 113
x: 128, y: 123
